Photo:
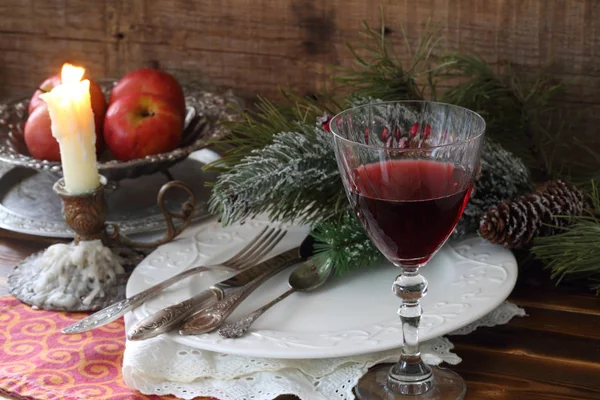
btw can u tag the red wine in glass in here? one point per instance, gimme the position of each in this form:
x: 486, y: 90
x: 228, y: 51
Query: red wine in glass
x: 409, y: 207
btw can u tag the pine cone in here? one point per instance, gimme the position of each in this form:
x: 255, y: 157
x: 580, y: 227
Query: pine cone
x: 515, y: 223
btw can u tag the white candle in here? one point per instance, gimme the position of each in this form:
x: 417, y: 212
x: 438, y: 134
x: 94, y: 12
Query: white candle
x: 73, y: 127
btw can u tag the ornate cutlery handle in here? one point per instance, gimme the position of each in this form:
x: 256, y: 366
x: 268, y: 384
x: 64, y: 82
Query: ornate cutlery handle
x: 168, y: 318
x: 237, y: 328
x: 211, y: 318
x: 114, y: 311
x: 106, y: 315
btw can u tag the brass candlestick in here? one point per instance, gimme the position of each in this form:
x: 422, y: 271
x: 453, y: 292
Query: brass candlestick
x: 32, y: 280
x: 86, y: 215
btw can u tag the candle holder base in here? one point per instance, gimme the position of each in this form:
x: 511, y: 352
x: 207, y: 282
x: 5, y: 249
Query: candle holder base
x: 22, y: 280
x: 91, y: 272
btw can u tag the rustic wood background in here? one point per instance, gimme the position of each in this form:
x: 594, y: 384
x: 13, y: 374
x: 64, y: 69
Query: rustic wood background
x: 259, y: 44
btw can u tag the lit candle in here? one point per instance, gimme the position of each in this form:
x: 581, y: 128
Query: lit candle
x: 73, y: 127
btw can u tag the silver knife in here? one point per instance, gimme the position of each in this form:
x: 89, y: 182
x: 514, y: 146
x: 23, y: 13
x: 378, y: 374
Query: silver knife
x: 170, y: 317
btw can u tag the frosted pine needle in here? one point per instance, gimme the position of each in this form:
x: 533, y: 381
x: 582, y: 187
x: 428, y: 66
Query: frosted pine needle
x: 293, y: 178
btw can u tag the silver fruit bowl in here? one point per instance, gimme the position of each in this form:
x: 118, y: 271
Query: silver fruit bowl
x: 207, y: 106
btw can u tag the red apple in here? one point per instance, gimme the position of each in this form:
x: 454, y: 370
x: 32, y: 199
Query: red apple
x: 46, y: 86
x: 38, y: 136
x: 142, y: 124
x: 149, y: 80
x: 97, y: 100
x: 99, y: 109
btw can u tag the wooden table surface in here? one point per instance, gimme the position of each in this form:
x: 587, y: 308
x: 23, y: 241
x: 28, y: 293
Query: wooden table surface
x: 553, y: 353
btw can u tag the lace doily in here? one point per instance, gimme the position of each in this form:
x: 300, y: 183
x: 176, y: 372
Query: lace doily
x: 160, y: 366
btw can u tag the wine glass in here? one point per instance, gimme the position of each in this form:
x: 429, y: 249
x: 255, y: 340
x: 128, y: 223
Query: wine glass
x: 408, y: 168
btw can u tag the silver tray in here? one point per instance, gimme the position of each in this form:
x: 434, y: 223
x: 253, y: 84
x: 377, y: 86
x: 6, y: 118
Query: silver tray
x: 206, y: 107
x: 29, y: 205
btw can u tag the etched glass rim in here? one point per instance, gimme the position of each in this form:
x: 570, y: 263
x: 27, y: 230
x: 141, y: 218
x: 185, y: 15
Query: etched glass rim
x: 343, y: 113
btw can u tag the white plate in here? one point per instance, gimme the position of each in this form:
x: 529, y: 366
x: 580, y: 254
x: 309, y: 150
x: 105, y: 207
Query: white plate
x: 351, y: 315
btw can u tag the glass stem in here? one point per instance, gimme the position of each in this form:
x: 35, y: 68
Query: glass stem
x: 410, y: 376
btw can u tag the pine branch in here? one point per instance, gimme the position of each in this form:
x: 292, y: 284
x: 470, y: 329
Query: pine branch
x: 345, y: 243
x: 518, y: 115
x: 293, y: 178
x: 484, y: 92
x: 574, y: 254
x: 379, y: 72
x: 257, y: 126
x: 583, y: 170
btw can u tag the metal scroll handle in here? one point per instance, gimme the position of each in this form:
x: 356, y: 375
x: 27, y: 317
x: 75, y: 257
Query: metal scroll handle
x: 185, y: 214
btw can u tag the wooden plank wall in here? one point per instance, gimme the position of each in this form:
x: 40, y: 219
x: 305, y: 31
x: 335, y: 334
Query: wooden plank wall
x: 258, y: 44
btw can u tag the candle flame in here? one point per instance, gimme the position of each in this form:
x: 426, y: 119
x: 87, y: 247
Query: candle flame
x: 71, y: 74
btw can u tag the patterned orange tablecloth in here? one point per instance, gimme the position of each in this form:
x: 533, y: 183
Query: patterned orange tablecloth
x: 38, y: 362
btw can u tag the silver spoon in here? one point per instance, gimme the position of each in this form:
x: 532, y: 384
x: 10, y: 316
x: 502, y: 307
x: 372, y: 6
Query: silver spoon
x: 306, y: 277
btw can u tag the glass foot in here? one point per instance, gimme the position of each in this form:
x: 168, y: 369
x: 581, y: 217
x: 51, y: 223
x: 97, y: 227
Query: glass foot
x: 447, y: 385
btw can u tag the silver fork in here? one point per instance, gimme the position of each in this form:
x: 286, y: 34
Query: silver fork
x: 256, y: 249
